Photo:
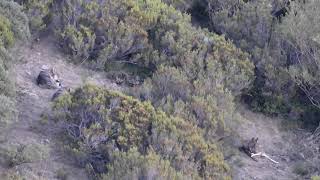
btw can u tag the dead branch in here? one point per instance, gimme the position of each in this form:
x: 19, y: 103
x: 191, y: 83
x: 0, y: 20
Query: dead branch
x: 262, y: 154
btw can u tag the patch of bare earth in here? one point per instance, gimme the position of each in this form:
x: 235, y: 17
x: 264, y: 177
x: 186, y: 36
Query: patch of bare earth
x: 33, y: 102
x: 281, y: 145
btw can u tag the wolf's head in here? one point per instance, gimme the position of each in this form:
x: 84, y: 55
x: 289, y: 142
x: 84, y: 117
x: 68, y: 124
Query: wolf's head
x: 54, y: 76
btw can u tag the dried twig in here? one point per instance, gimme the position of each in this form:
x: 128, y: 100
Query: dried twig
x: 262, y: 154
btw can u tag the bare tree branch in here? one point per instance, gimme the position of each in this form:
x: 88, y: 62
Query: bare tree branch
x: 262, y: 154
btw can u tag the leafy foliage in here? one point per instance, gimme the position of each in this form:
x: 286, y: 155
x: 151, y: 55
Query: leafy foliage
x: 18, y: 20
x: 7, y: 110
x: 7, y: 106
x: 267, y: 53
x: 145, y: 34
x: 106, y: 126
x: 6, y: 35
x: 11, y: 175
x: 133, y: 165
x: 39, y: 14
x: 16, y: 154
x: 182, y: 5
x: 13, y: 25
x: 193, y: 74
x: 283, y: 51
x: 302, y: 45
x: 315, y: 177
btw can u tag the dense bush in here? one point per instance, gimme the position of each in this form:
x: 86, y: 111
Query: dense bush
x: 301, y: 43
x: 315, y: 177
x: 250, y: 25
x: 94, y: 29
x: 6, y: 35
x: 144, y: 34
x: 13, y: 26
x: 133, y: 165
x: 116, y: 131
x: 39, y: 13
x: 182, y: 5
x: 7, y: 105
x: 15, y: 154
x: 192, y: 69
x: 5, y: 85
x: 18, y: 20
x: 190, y: 73
x: 11, y: 175
x: 284, y: 48
x: 7, y: 110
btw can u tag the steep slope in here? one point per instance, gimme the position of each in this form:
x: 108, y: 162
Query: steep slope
x: 280, y: 144
x: 33, y: 125
x: 34, y: 103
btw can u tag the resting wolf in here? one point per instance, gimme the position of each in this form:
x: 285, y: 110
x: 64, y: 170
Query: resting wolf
x: 249, y: 146
x: 48, y: 79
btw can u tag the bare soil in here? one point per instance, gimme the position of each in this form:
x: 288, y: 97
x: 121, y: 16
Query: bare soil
x: 281, y: 145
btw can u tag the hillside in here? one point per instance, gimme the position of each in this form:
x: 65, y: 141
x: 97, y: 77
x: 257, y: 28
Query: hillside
x: 182, y: 89
x: 34, y: 125
x: 35, y: 102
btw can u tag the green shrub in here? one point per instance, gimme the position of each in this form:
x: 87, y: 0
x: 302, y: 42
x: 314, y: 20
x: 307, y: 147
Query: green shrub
x: 133, y: 165
x: 13, y: 25
x: 6, y: 34
x: 11, y: 175
x: 109, y: 121
x: 189, y: 65
x: 147, y: 34
x: 285, y: 53
x: 38, y: 12
x: 315, y: 178
x: 182, y: 62
x: 301, y: 169
x: 18, y: 20
x: 79, y: 43
x: 16, y: 154
x: 5, y: 85
x: 182, y: 5
x: 98, y: 34
x: 7, y: 105
x: 7, y: 111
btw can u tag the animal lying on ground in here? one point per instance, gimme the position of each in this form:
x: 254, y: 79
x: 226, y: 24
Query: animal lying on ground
x: 48, y: 79
x: 249, y: 147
